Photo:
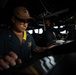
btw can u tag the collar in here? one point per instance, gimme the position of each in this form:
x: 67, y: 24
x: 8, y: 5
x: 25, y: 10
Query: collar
x: 24, y: 35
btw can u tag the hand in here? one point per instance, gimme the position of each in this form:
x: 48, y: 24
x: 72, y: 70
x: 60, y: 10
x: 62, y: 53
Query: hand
x: 38, y: 49
x: 10, y: 59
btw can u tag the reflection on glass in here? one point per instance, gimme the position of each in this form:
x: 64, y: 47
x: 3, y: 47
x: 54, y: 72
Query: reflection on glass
x: 36, y: 30
x: 56, y: 27
x: 30, y: 31
x: 64, y: 32
x: 62, y: 26
x: 40, y: 31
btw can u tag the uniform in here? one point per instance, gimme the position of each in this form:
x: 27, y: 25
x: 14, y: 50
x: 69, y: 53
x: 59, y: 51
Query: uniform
x: 10, y: 42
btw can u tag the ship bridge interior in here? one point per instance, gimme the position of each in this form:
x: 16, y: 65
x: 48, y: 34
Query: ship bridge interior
x: 60, y: 60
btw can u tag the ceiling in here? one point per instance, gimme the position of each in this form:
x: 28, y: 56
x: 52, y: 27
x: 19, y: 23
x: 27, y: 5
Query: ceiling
x: 57, y: 9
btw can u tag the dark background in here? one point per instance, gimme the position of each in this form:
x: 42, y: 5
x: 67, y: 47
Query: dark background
x: 38, y: 8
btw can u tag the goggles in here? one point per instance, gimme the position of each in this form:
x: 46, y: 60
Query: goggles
x: 22, y: 20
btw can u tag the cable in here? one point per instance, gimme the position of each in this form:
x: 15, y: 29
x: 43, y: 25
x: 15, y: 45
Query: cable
x: 44, y: 7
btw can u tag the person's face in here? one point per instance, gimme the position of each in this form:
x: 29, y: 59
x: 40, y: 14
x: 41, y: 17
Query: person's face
x: 20, y: 26
x: 47, y: 23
